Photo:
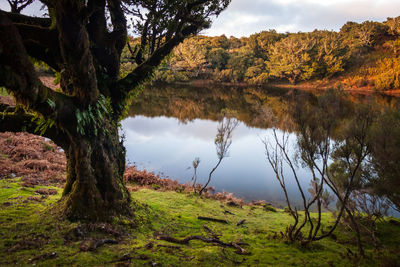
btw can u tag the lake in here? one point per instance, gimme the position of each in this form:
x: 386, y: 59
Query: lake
x: 169, y: 126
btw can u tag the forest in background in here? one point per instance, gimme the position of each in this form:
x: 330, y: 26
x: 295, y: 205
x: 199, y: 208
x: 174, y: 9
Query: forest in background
x: 359, y: 55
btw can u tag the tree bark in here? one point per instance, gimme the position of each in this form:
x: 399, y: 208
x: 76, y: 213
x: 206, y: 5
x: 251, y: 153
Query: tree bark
x: 95, y: 188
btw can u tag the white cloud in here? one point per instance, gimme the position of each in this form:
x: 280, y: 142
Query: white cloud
x: 298, y: 15
x: 245, y: 17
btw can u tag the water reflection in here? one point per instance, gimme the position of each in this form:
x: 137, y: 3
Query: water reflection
x: 169, y: 127
x: 170, y: 146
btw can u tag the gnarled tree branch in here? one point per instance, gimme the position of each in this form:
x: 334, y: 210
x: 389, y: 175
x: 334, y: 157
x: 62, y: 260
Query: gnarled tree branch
x: 41, y: 43
x: 18, y: 75
x: 144, y: 70
x: 12, y: 120
x: 79, y: 73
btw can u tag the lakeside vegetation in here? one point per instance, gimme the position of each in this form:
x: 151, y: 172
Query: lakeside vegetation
x: 359, y: 55
x: 32, y: 234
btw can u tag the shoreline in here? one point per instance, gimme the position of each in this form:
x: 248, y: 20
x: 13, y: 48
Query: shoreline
x: 306, y: 86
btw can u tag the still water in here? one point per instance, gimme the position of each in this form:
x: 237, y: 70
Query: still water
x: 168, y: 127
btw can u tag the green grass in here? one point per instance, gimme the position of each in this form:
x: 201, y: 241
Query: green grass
x: 3, y: 91
x: 30, y: 227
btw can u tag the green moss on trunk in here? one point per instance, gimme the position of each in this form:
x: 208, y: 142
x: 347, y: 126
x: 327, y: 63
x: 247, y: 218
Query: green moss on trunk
x: 95, y: 189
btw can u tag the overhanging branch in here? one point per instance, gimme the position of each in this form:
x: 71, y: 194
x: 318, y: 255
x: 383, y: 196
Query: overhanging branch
x: 144, y: 70
x: 19, y: 121
x: 162, y: 25
x: 41, y: 43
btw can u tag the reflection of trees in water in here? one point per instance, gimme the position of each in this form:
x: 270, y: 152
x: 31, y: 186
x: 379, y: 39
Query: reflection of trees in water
x: 223, y: 141
x: 253, y: 106
x: 385, y: 146
x: 340, y: 143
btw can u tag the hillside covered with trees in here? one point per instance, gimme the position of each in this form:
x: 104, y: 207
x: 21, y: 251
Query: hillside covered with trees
x: 359, y: 55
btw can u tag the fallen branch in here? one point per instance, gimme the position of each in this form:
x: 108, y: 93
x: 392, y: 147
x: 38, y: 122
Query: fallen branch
x: 126, y: 257
x: 168, y: 246
x: 93, y: 245
x: 149, y: 245
x: 212, y: 240
x: 212, y: 219
x: 45, y: 256
x: 228, y: 212
x: 241, y: 222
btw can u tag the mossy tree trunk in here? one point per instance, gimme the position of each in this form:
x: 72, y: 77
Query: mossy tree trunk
x: 95, y: 189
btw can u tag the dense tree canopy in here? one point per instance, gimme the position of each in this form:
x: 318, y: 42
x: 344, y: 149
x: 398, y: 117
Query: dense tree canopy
x: 369, y: 51
x: 83, y: 41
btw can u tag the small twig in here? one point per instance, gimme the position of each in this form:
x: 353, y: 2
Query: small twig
x: 93, y: 245
x: 228, y: 212
x: 105, y: 241
x: 185, y: 241
x: 126, y: 257
x: 212, y: 219
x: 168, y: 246
x: 44, y: 256
x: 241, y: 222
x: 149, y: 245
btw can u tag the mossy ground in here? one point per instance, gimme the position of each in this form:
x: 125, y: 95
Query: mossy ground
x: 31, y: 233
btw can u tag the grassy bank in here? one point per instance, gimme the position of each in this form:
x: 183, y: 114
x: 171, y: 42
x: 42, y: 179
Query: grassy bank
x: 32, y: 233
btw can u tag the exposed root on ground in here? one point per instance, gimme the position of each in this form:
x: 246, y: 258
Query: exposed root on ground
x: 211, y: 240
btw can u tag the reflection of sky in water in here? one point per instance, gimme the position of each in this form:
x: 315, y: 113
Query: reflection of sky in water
x: 167, y: 146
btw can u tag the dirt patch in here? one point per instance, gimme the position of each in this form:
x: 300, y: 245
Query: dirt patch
x: 7, y: 100
x: 35, y: 159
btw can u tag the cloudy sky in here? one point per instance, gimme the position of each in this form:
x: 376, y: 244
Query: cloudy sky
x: 244, y: 17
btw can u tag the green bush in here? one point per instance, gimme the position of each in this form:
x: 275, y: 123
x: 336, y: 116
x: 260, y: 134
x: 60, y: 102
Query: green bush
x: 388, y: 76
x: 263, y: 78
x: 223, y: 75
x: 269, y: 208
x: 3, y: 91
